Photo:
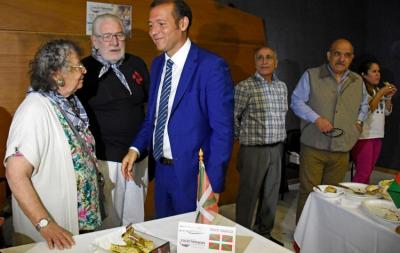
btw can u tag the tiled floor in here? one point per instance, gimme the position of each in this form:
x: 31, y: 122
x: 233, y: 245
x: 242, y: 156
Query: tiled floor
x: 286, y: 210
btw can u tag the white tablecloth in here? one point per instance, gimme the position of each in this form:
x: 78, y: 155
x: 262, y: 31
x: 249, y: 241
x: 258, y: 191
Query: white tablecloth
x: 165, y: 229
x: 328, y: 226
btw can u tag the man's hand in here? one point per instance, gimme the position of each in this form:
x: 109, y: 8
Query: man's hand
x: 127, y: 164
x: 323, y: 125
x: 57, y: 236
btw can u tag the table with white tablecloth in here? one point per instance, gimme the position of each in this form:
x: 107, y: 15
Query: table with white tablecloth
x: 327, y: 225
x: 166, y: 229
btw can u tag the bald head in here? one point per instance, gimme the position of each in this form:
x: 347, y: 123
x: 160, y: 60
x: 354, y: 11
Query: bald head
x: 340, y: 42
x: 340, y: 56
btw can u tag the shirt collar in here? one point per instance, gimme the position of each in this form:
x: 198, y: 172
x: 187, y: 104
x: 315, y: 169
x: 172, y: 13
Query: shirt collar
x: 180, y: 56
x: 344, y: 75
x: 260, y: 78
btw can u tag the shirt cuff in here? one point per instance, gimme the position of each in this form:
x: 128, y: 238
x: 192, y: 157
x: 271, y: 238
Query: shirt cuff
x: 313, y: 117
x: 137, y: 151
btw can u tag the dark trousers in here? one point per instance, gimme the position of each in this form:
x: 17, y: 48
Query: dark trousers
x: 260, y: 175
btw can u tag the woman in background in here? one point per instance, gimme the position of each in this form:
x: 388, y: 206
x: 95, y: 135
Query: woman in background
x: 50, y: 161
x: 367, y: 149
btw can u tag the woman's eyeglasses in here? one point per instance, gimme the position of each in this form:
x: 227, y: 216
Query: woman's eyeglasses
x: 78, y: 66
x: 335, y: 132
x: 107, y: 37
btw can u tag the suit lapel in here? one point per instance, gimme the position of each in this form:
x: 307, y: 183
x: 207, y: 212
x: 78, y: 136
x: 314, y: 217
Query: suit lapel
x: 187, y: 73
x: 157, y: 77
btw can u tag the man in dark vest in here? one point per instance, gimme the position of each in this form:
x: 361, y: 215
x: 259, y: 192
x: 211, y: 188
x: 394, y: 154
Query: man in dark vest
x: 332, y: 104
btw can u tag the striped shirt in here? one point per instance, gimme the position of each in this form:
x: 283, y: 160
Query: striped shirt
x: 260, y: 111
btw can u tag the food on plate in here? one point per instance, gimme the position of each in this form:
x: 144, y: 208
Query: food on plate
x: 385, y: 194
x: 392, y: 215
x: 134, y: 243
x: 372, y: 189
x: 386, y: 182
x: 330, y: 189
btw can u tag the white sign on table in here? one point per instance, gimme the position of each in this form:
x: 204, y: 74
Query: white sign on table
x: 199, y: 238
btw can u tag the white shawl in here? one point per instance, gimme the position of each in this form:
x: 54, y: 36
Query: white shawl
x: 39, y: 136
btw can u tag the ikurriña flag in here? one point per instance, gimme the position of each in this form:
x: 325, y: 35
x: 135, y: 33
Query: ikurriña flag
x: 207, y: 205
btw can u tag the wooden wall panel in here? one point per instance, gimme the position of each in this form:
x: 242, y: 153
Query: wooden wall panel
x: 57, y: 17
x: 28, y: 24
x: 239, y: 57
x: 218, y: 23
x: 212, y: 21
x: 16, y: 50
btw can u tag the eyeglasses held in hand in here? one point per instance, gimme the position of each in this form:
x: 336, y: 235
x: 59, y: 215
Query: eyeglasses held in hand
x: 335, y: 132
x: 107, y: 37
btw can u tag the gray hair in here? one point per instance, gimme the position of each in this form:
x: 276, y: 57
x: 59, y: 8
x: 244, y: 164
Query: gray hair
x: 266, y: 47
x: 50, y: 58
x: 107, y: 16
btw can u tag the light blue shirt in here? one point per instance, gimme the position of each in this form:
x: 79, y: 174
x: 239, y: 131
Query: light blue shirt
x: 301, y: 95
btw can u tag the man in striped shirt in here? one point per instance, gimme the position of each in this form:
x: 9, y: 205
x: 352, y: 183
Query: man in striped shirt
x: 260, y: 110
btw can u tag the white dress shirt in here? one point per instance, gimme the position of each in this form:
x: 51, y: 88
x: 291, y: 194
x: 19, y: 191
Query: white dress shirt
x: 179, y: 59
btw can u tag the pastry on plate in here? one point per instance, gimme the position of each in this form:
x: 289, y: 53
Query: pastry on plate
x: 330, y: 189
x: 386, y: 182
x: 134, y: 243
x: 372, y: 189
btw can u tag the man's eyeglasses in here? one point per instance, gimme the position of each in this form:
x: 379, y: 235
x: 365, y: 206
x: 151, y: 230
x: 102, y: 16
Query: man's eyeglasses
x: 335, y: 132
x: 107, y: 37
x: 78, y: 66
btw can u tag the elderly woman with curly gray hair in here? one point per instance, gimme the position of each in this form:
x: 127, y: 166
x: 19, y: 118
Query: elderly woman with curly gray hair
x: 50, y: 161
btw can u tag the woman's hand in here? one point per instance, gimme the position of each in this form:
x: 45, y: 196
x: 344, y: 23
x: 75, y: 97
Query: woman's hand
x: 388, y: 90
x: 57, y: 236
x: 18, y: 173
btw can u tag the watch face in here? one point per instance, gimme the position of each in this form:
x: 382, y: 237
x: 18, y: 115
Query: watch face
x: 43, y: 223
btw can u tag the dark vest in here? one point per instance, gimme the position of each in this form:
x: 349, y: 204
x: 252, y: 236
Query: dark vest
x: 340, y: 108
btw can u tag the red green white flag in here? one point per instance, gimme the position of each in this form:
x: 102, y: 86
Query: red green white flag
x: 207, y: 206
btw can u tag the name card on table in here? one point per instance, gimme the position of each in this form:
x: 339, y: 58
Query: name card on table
x: 199, y: 238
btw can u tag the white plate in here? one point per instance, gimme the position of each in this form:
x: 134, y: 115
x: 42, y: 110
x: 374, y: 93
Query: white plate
x: 381, y: 209
x: 102, y: 244
x: 339, y: 191
x: 361, y: 188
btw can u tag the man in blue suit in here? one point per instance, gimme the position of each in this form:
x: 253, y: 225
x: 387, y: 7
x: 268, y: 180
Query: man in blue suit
x: 190, y: 107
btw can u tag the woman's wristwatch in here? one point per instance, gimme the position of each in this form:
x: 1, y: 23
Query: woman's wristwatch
x: 42, y: 224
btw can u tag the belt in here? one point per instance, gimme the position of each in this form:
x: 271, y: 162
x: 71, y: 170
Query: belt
x: 263, y: 145
x: 166, y: 161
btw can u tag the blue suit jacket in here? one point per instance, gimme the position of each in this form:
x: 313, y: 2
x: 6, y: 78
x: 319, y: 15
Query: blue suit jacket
x: 201, y: 117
